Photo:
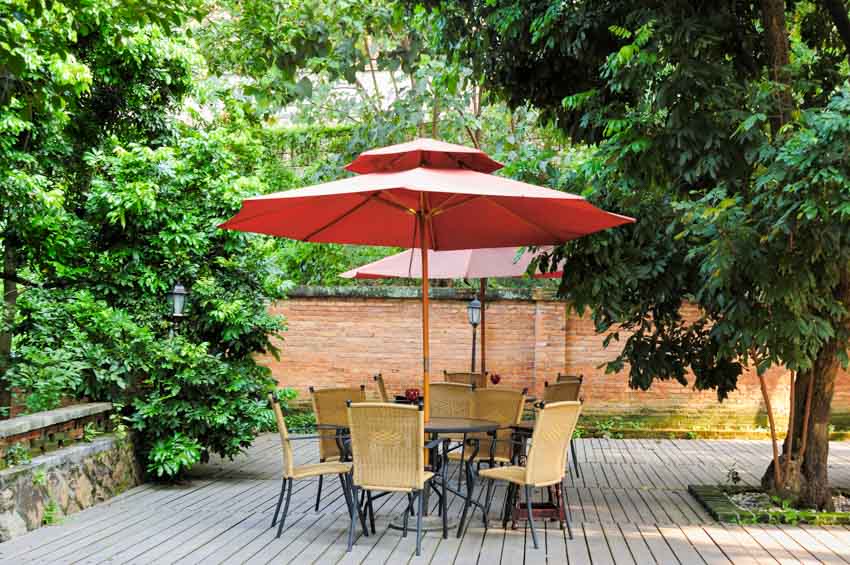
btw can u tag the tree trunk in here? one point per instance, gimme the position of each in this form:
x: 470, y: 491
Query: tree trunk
x: 807, y: 482
x: 10, y: 299
x: 777, y: 46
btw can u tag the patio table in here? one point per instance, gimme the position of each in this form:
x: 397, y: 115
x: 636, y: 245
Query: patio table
x: 434, y: 428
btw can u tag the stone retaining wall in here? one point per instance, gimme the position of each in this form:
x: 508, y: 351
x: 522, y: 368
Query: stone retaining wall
x: 65, y: 481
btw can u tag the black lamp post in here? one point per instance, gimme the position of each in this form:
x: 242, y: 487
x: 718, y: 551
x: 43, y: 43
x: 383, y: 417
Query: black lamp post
x: 473, y: 311
x: 177, y: 301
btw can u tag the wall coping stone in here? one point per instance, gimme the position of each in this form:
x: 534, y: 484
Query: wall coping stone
x: 74, y: 453
x: 23, y: 424
x: 437, y: 293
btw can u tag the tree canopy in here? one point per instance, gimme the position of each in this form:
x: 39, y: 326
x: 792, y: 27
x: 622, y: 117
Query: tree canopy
x: 721, y: 126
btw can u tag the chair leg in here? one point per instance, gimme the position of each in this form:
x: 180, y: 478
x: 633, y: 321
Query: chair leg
x: 443, y: 509
x: 354, y: 508
x: 528, y: 507
x: 371, y: 510
x: 279, y: 501
x: 506, y: 509
x: 419, y: 523
x: 404, y: 520
x: 575, y: 459
x: 285, y: 507
x: 487, y: 499
x: 566, y: 504
x: 468, y: 501
x: 345, y: 492
x: 319, y: 492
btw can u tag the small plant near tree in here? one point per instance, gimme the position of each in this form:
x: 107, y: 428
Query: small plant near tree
x: 733, y: 477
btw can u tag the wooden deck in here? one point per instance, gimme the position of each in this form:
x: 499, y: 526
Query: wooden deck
x: 629, y: 506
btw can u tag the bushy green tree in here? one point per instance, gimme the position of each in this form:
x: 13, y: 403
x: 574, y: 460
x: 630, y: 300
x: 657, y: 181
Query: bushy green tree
x: 720, y: 126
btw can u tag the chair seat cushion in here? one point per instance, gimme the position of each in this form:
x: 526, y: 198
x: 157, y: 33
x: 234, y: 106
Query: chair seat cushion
x: 427, y: 476
x: 511, y: 473
x: 327, y: 468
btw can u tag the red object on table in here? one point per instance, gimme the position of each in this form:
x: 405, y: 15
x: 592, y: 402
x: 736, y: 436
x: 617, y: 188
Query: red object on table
x: 412, y: 394
x: 495, y: 379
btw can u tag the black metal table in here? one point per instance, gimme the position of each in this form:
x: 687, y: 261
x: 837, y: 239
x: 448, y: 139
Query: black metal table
x: 465, y: 426
x: 435, y: 427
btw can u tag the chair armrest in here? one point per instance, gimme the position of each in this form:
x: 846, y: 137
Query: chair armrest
x: 320, y: 436
x: 433, y: 443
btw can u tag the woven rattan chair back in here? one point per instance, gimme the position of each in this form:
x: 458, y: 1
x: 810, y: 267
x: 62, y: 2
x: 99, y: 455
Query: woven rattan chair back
x: 561, y: 391
x: 547, y: 457
x: 329, y: 408
x: 503, y: 406
x: 477, y: 379
x: 286, y: 446
x: 451, y: 400
x: 382, y: 388
x: 568, y: 378
x: 386, y: 446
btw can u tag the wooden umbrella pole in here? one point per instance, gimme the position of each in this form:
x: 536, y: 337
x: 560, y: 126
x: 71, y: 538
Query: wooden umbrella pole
x: 482, y: 295
x: 426, y: 346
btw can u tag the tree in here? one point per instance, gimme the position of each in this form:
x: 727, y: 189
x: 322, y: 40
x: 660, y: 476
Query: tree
x: 720, y: 126
x: 72, y: 74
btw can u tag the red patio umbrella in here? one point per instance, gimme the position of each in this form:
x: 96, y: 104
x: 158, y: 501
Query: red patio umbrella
x: 430, y: 195
x: 478, y: 264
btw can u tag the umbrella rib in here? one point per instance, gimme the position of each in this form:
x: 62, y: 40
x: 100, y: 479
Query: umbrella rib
x: 524, y: 219
x: 445, y: 207
x: 340, y: 218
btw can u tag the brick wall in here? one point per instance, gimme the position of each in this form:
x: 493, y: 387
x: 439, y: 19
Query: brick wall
x: 343, y: 336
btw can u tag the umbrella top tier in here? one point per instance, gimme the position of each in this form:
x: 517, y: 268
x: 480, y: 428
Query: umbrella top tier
x: 458, y: 264
x: 464, y: 209
x: 423, y: 153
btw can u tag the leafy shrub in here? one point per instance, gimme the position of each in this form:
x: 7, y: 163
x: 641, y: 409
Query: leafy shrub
x: 17, y: 454
x: 301, y: 422
x: 169, y: 457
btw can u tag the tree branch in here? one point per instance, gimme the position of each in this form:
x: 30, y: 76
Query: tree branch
x: 838, y: 13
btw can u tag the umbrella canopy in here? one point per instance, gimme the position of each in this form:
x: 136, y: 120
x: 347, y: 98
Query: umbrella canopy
x: 459, y: 264
x: 462, y: 209
x: 427, y: 206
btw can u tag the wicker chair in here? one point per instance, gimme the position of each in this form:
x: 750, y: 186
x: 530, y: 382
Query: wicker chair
x: 382, y: 388
x: 477, y: 379
x: 546, y: 463
x: 387, y: 448
x: 329, y: 408
x: 567, y: 388
x: 292, y: 472
x: 568, y: 378
x: 451, y: 400
x: 503, y: 406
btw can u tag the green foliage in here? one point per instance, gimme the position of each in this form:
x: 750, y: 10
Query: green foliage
x: 51, y: 513
x: 39, y: 477
x: 301, y: 422
x: 171, y: 456
x: 90, y: 432
x: 745, y: 222
x: 17, y: 454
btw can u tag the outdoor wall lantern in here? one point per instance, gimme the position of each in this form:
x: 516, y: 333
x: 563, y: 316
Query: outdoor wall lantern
x: 177, y: 302
x: 473, y: 312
